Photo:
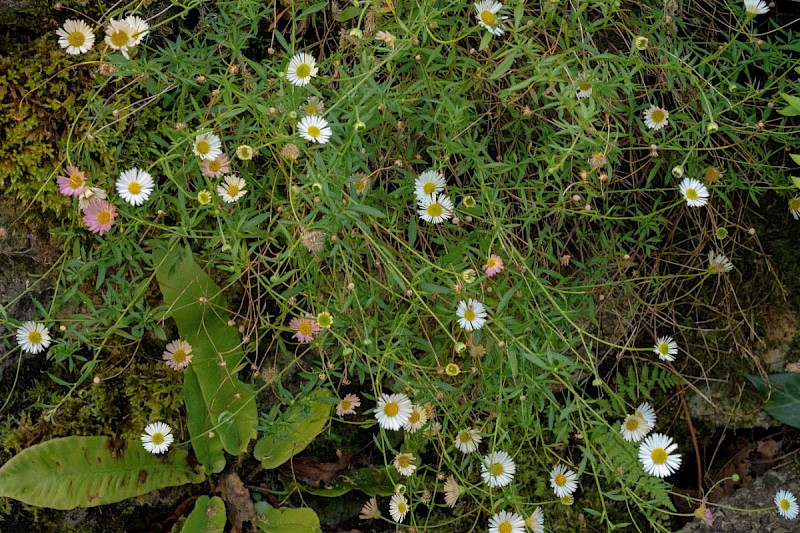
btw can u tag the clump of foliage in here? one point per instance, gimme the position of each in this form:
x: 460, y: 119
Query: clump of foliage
x: 589, y: 167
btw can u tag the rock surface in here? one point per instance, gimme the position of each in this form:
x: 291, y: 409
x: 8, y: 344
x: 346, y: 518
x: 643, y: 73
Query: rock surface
x: 758, y: 495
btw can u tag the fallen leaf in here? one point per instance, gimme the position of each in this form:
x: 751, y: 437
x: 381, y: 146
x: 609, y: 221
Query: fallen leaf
x: 237, y: 501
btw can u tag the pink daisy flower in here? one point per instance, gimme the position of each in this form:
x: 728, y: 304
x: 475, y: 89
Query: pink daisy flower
x: 99, y: 216
x: 306, y: 328
x: 348, y: 404
x: 216, y: 167
x: 494, y: 265
x: 73, y: 183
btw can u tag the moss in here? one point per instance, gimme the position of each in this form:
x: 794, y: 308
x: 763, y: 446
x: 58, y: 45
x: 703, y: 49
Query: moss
x: 41, y: 97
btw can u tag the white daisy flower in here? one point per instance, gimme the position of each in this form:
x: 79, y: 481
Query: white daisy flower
x: 471, y: 314
x: 207, y: 146
x: 718, y: 263
x: 90, y: 194
x: 666, y: 348
x: 794, y: 207
x: 33, y: 337
x: 654, y: 454
x: 787, y: 504
x: 370, y: 510
x: 76, y: 36
x: 416, y: 420
x: 536, y: 521
x: 451, y: 491
x: 393, y: 411
x: 232, y: 188
x: 584, y: 86
x: 755, y: 7
x: 315, y: 129
x: 497, y: 469
x: 694, y: 192
x: 404, y: 463
x: 467, y: 440
x: 387, y: 38
x: 398, y: 507
x: 302, y: 68
x: 119, y: 36
x: 435, y: 208
x: 140, y: 28
x: 563, y: 481
x: 505, y: 522
x: 429, y: 182
x: 135, y: 185
x: 178, y: 354
x: 634, y: 428
x: 656, y: 117
x: 646, y: 412
x: 487, y: 11
x: 157, y: 437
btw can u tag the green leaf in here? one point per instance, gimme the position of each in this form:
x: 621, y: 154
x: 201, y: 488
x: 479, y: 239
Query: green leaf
x: 297, y: 428
x: 302, y: 520
x: 370, y: 480
x: 795, y: 158
x: 503, y: 67
x: 198, y: 307
x: 207, y: 449
x: 367, y: 210
x: 87, y: 471
x: 784, y: 400
x: 795, y: 181
x: 794, y: 105
x: 207, y: 516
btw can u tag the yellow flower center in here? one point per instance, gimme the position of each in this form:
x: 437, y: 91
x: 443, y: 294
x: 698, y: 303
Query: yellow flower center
x: 120, y: 38
x: 464, y: 437
x: 104, y: 217
x: 360, y: 185
x: 691, y: 194
x: 490, y: 263
x: 311, y: 110
x: 134, y: 187
x: 435, y: 210
x: 345, y: 404
x: 504, y: 527
x: 76, y: 39
x: 179, y: 356
x: 232, y: 191
x: 487, y: 17
x: 34, y: 337
x: 657, y: 116
x: 560, y: 480
x: 75, y: 181
x: 785, y: 504
x: 585, y: 86
x: 314, y: 131
x: 304, y: 327
x: 391, y: 409
x: 469, y: 314
x: 403, y: 461
x: 659, y: 456
x: 157, y: 438
x: 496, y: 469
x: 303, y: 70
x: 402, y: 508
x: 632, y: 424
x: 214, y: 165
x: 663, y: 348
x: 794, y: 204
x: 429, y: 187
x: 413, y: 417
x: 202, y: 147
